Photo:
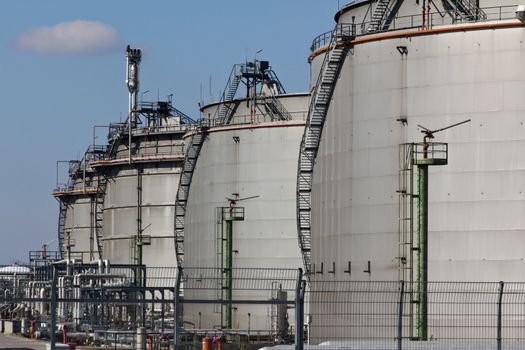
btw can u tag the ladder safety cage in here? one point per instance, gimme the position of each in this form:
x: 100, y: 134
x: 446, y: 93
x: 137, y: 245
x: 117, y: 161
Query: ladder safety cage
x: 319, y: 103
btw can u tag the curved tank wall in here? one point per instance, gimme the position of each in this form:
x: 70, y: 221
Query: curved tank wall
x: 475, y: 226
x: 389, y: 84
x: 78, y: 225
x: 78, y: 197
x: 257, y: 161
x: 141, y: 197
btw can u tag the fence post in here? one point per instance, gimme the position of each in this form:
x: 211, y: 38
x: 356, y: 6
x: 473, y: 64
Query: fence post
x: 400, y: 316
x: 176, y: 317
x: 143, y: 294
x: 500, y: 299
x: 299, y: 312
x: 53, y: 325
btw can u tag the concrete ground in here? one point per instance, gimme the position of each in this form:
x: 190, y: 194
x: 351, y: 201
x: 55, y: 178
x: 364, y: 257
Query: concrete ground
x: 11, y: 342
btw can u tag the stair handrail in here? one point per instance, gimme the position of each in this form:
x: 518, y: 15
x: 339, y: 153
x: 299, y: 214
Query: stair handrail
x: 339, y: 34
x: 234, y: 75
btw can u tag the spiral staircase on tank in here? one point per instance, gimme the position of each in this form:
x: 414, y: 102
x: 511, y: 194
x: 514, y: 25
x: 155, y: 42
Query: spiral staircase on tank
x: 98, y: 203
x: 61, y: 227
x: 317, y: 112
x: 464, y: 10
x: 383, y: 14
x: 181, y: 200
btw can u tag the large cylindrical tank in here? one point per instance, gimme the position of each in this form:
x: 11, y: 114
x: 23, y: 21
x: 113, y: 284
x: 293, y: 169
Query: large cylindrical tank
x: 250, y: 165
x: 434, y: 75
x: 446, y: 75
x: 140, y: 194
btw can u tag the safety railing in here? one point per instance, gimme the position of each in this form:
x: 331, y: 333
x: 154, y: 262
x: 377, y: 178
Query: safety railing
x: 243, y: 119
x: 434, y: 19
x: 430, y: 152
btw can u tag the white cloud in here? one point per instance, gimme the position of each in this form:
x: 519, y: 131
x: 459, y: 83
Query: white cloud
x: 73, y: 37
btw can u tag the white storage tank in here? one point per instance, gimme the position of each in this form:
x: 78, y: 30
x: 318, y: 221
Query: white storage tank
x: 247, y: 168
x: 400, y: 76
x: 138, y: 208
x: 389, y: 84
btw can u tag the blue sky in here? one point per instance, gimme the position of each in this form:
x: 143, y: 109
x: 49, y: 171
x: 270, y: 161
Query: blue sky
x: 62, y: 70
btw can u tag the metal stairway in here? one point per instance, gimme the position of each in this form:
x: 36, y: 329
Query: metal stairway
x: 99, y: 213
x: 226, y: 109
x: 274, y: 108
x: 61, y: 227
x: 188, y: 167
x: 464, y: 10
x: 384, y: 13
x: 319, y: 103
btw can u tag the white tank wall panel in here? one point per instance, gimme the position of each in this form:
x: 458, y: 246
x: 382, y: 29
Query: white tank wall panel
x: 260, y: 164
x: 78, y: 224
x: 118, y: 251
x: 159, y: 181
x: 476, y: 200
x: 77, y: 221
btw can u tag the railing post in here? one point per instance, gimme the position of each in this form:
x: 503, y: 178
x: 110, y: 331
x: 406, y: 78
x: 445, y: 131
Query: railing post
x: 176, y: 317
x: 299, y: 312
x: 500, y: 299
x: 400, y: 316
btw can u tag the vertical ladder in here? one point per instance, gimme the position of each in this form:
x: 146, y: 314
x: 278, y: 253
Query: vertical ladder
x: 319, y: 103
x: 407, y: 247
x: 406, y: 192
x: 188, y: 167
x: 225, y: 110
x: 61, y: 226
x: 99, y: 213
x: 383, y: 15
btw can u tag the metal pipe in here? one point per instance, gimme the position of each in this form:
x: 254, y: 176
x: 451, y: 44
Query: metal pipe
x: 106, y: 266
x: 53, y: 310
x: 84, y: 174
x: 422, y: 257
x: 228, y: 269
x: 138, y: 240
